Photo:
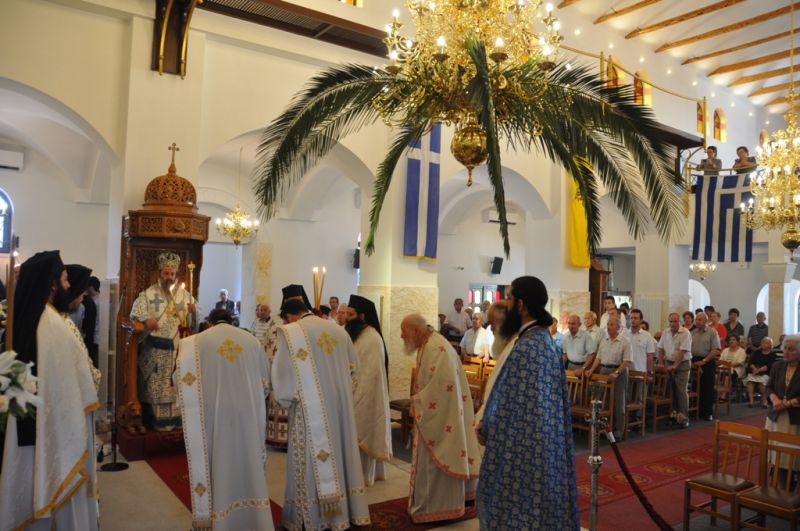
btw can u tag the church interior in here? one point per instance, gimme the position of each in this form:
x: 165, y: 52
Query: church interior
x: 140, y: 125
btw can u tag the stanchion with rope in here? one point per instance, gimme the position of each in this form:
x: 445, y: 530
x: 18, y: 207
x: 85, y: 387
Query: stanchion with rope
x: 600, y: 425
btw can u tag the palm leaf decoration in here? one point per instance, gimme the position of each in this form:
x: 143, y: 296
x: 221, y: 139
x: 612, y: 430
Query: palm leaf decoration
x: 568, y: 114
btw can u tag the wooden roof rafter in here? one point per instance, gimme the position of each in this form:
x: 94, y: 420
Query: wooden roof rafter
x: 625, y: 10
x: 761, y: 75
x: 565, y: 3
x: 773, y: 88
x: 741, y: 65
x: 683, y: 18
x: 726, y: 29
x: 736, y: 48
x: 778, y: 101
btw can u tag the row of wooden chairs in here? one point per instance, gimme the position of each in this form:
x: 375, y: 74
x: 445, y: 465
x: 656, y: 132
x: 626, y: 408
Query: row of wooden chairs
x: 753, y: 469
x: 583, y: 390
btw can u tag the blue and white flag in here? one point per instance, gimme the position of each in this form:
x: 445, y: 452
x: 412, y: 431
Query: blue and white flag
x: 422, y: 196
x: 720, y: 234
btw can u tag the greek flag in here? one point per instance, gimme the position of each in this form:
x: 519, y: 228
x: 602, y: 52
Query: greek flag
x: 422, y: 196
x: 720, y: 234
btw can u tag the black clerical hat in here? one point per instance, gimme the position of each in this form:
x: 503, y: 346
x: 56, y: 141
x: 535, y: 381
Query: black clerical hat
x: 78, y: 277
x: 294, y: 291
x: 367, y: 307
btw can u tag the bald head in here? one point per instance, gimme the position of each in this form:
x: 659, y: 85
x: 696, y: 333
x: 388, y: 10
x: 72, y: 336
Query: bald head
x: 414, y: 330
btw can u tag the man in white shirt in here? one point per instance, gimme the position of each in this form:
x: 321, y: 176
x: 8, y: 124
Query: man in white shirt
x: 643, y: 346
x: 608, y: 304
x: 577, y: 344
x: 333, y: 302
x: 613, y: 358
x: 590, y: 325
x: 262, y: 324
x: 458, y: 321
x: 675, y: 352
x: 477, y: 341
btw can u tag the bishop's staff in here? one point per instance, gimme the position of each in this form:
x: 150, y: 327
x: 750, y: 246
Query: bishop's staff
x: 11, y: 283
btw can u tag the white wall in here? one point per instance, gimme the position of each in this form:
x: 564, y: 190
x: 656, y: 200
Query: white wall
x: 222, y: 268
x: 464, y: 256
x: 733, y: 287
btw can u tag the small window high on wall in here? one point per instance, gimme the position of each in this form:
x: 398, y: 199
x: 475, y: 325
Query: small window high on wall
x: 642, y: 91
x: 615, y: 75
x: 700, y: 120
x: 5, y: 222
x: 720, y: 125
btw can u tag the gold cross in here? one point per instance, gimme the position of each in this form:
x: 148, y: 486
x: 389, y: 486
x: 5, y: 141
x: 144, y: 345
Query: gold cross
x: 200, y: 489
x: 174, y: 147
x: 323, y: 455
x: 189, y: 379
x: 301, y: 355
x: 229, y: 349
x: 326, y: 343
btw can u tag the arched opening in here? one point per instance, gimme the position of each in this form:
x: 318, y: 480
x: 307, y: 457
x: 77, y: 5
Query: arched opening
x: 700, y: 119
x: 6, y: 215
x: 763, y: 137
x: 699, y: 297
x: 762, y: 301
x: 720, y: 125
x: 642, y: 90
x: 615, y: 75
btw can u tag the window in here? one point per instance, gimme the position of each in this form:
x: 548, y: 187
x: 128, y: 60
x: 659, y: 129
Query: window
x: 615, y: 75
x: 642, y: 90
x: 700, y: 118
x: 720, y: 125
x: 763, y: 137
x: 5, y: 222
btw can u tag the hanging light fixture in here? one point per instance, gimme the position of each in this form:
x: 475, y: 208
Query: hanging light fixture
x: 776, y: 188
x: 237, y: 224
x: 436, y: 62
x: 702, y: 269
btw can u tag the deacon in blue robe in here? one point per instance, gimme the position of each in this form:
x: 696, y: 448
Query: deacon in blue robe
x: 527, y: 477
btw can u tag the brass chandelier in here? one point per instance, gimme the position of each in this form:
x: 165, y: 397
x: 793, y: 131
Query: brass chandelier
x: 776, y: 188
x: 702, y: 269
x: 436, y: 63
x: 237, y: 224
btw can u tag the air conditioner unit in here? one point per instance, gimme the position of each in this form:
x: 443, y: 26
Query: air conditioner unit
x: 492, y: 216
x: 11, y: 160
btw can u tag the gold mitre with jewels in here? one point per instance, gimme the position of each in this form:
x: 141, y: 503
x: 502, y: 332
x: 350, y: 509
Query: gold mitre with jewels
x: 168, y: 261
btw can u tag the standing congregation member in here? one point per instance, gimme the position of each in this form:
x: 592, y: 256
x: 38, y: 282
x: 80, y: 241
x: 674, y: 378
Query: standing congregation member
x: 222, y: 380
x: 477, y: 341
x: 590, y: 325
x: 528, y: 470
x: 312, y: 376
x: 757, y: 332
x: 577, y: 344
x: 333, y: 302
x: 78, y: 277
x: 705, y: 349
x: 733, y: 326
x: 264, y: 326
x: 643, y: 346
x: 711, y: 164
x: 446, y: 457
x: 371, y: 395
x: 758, y: 368
x: 458, y: 321
x: 224, y: 303
x: 688, y: 320
x: 610, y: 304
x: 737, y: 357
x: 91, y: 320
x: 783, y: 389
x: 158, y: 313
x: 48, y: 477
x: 675, y: 353
x: 613, y: 358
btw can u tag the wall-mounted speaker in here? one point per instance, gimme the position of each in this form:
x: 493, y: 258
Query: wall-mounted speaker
x: 357, y: 259
x: 497, y: 265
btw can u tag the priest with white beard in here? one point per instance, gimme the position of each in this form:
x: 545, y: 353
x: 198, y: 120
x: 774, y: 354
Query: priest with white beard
x: 446, y: 457
x: 311, y: 375
x: 222, y: 381
x: 371, y: 394
x: 48, y: 478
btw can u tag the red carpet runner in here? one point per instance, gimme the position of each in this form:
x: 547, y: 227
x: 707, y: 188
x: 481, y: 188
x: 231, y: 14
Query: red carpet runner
x: 174, y: 472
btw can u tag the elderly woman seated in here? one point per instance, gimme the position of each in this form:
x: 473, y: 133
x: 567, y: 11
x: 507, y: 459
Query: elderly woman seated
x: 783, y: 390
x: 758, y: 368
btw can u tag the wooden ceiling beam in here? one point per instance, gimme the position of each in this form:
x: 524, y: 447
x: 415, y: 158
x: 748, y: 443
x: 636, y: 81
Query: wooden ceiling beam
x: 761, y: 75
x: 726, y: 29
x: 736, y: 48
x: 773, y: 88
x: 565, y: 3
x: 741, y: 65
x: 625, y: 10
x: 682, y: 18
x: 778, y: 101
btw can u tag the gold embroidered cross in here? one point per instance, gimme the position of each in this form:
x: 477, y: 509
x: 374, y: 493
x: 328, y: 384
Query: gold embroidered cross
x: 200, y: 489
x: 323, y: 455
x: 189, y: 379
x: 229, y: 350
x: 326, y: 343
x: 301, y: 355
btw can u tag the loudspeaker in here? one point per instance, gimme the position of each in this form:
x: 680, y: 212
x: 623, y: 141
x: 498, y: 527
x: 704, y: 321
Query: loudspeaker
x: 357, y: 259
x: 497, y: 265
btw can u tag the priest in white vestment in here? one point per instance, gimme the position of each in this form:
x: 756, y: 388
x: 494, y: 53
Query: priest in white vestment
x: 311, y: 375
x: 48, y: 478
x: 371, y: 393
x: 222, y: 381
x: 446, y: 457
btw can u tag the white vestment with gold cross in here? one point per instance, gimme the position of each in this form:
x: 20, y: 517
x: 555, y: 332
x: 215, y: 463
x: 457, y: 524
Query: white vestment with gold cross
x: 311, y: 375
x: 221, y: 378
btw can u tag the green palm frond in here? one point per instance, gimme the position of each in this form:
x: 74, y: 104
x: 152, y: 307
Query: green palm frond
x: 480, y: 91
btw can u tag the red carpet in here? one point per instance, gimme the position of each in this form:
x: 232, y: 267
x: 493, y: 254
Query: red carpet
x: 660, y: 466
x: 173, y: 470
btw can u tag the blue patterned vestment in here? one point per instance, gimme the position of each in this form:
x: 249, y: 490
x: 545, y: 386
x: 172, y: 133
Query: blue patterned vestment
x: 527, y: 478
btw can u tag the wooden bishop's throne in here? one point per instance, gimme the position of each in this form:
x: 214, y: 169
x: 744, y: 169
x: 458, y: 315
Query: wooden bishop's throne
x: 168, y: 221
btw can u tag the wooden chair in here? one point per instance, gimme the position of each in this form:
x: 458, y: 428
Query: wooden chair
x: 403, y: 405
x: 778, y: 496
x: 488, y: 368
x: 736, y: 468
x: 723, y: 380
x: 599, y: 387
x: 473, y: 365
x: 693, y: 390
x: 477, y: 387
x: 637, y: 391
x: 659, y: 400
